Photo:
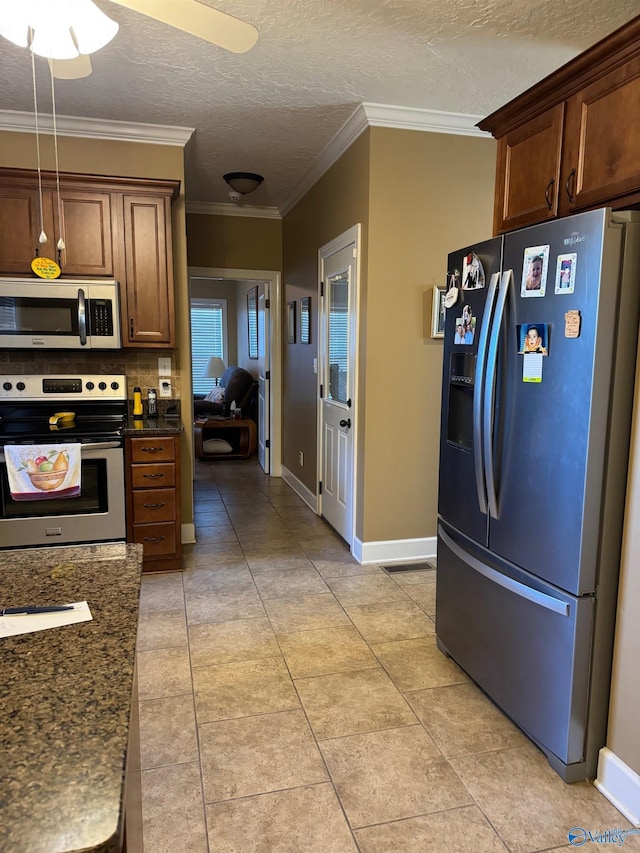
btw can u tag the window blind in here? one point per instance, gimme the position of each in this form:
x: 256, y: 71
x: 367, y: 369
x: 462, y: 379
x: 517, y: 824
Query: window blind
x: 208, y: 338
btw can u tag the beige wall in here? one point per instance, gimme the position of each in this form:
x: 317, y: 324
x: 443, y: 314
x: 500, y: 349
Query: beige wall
x: 418, y: 196
x: 125, y: 159
x: 430, y: 194
x: 337, y: 201
x: 622, y: 737
x: 234, y: 242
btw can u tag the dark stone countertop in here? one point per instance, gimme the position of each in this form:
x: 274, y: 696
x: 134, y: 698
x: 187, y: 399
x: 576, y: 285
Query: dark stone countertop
x: 65, y: 700
x: 151, y: 426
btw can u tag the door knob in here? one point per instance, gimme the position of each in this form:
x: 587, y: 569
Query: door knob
x: 346, y: 423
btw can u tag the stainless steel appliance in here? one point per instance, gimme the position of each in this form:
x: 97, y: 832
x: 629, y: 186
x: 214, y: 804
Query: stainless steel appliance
x: 60, y: 314
x: 533, y: 460
x: 99, y: 407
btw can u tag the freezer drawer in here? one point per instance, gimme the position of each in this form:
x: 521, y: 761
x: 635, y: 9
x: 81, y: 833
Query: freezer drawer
x: 526, y: 644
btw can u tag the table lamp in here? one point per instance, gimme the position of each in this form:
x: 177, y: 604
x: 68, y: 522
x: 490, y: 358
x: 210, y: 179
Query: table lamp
x: 214, y: 369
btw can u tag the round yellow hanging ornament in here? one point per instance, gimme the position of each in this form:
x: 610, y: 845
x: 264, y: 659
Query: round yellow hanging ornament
x: 45, y: 268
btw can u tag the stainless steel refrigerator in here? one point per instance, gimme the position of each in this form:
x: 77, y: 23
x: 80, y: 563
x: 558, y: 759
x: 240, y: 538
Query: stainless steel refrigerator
x: 539, y: 363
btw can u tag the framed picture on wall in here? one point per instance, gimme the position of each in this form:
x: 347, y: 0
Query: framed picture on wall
x: 291, y: 322
x: 438, y: 312
x: 305, y: 320
x: 252, y: 321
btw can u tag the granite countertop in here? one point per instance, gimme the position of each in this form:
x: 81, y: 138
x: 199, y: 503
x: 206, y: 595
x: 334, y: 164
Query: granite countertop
x: 66, y: 698
x: 149, y: 426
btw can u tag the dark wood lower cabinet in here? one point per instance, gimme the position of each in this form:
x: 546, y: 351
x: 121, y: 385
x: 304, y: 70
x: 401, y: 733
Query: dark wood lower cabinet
x: 153, y: 500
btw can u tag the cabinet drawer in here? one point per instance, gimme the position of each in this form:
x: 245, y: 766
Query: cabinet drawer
x: 152, y: 476
x: 147, y: 449
x: 154, y: 505
x: 158, y: 539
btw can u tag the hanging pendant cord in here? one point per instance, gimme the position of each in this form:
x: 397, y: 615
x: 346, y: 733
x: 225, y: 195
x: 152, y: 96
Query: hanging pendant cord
x: 61, y: 244
x: 35, y: 107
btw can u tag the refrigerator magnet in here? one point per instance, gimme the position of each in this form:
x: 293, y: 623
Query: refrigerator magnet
x: 453, y: 285
x: 533, y: 338
x: 566, y: 273
x: 532, y: 367
x: 465, y: 327
x: 572, y: 321
x: 472, y: 272
x: 534, y: 271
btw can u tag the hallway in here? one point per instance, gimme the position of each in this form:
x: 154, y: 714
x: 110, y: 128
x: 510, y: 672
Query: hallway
x: 293, y: 701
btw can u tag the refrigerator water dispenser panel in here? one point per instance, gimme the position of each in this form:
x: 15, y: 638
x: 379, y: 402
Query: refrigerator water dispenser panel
x: 462, y: 373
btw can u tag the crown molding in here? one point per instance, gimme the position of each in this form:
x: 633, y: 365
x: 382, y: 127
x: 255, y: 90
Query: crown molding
x: 431, y: 121
x: 382, y: 115
x: 97, y: 128
x: 221, y: 209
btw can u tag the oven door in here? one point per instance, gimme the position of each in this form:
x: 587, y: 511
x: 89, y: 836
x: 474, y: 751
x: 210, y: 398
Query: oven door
x: 97, y: 514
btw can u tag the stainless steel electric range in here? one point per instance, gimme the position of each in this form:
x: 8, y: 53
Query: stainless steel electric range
x: 98, y: 403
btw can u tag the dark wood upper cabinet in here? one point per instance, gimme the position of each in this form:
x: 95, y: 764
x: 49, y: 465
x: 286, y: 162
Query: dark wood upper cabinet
x: 570, y: 143
x: 115, y: 227
x: 86, y: 228
x: 148, y: 266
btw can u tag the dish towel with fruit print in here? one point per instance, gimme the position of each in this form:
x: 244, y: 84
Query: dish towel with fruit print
x: 41, y: 471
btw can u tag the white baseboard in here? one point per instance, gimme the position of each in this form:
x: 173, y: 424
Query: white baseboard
x: 619, y: 784
x: 188, y: 533
x: 300, y: 489
x: 392, y: 551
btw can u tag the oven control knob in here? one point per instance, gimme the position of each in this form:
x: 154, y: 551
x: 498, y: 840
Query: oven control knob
x: 102, y: 385
x: 90, y: 386
x: 115, y: 386
x: 7, y: 386
x: 20, y: 386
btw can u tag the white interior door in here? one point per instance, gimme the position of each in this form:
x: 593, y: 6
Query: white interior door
x: 337, y: 352
x: 264, y: 396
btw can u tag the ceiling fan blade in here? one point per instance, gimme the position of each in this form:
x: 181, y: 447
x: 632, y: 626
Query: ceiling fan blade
x: 71, y: 69
x: 199, y: 20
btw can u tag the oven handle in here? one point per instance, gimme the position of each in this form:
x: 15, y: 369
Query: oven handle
x: 88, y: 449
x: 97, y: 447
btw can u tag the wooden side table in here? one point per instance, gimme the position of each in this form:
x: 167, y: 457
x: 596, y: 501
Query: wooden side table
x: 241, y: 435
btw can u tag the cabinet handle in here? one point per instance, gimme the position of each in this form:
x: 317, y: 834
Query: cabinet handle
x: 152, y: 476
x: 153, y: 538
x: 153, y: 506
x: 571, y: 192
x: 131, y: 327
x: 152, y: 449
x: 547, y: 193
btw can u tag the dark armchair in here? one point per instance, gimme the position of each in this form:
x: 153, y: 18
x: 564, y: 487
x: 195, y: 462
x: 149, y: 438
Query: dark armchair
x: 239, y: 386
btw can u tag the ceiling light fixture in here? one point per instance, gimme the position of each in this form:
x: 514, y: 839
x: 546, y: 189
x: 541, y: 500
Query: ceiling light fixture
x: 61, y: 30
x: 242, y: 183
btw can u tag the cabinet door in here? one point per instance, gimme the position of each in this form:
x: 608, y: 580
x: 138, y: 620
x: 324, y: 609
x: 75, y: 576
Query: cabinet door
x: 20, y: 228
x: 528, y: 172
x: 601, y: 162
x: 148, y: 265
x: 86, y: 218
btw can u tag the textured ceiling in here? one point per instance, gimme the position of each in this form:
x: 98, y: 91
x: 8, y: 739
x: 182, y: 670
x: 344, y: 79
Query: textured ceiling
x: 274, y: 109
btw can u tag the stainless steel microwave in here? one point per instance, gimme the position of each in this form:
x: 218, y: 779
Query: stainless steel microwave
x: 60, y: 314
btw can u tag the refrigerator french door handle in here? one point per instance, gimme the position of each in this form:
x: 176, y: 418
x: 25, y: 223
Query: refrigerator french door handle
x: 540, y: 598
x: 478, y: 391
x: 490, y: 392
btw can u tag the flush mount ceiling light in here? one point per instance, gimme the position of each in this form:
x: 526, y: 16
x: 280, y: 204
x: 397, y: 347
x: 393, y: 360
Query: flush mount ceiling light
x: 242, y: 183
x: 63, y: 29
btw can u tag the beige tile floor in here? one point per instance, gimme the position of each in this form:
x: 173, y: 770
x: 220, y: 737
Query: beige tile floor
x: 293, y: 701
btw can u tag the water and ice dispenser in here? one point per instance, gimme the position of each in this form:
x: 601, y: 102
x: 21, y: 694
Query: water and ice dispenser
x: 462, y: 372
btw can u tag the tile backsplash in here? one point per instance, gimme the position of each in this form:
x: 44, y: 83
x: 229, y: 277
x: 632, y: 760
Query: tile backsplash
x: 140, y: 366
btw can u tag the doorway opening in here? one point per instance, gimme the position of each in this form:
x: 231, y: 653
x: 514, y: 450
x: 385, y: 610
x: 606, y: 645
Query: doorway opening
x: 263, y: 361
